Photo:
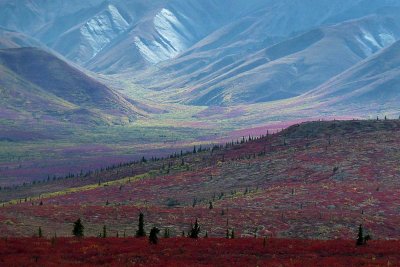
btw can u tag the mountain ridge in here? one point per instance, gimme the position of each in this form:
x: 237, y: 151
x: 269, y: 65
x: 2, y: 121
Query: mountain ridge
x: 59, y: 80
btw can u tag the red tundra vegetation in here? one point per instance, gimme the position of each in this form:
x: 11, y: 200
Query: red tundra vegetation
x: 200, y: 252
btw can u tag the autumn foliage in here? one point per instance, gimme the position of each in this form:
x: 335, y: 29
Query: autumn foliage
x: 190, y: 252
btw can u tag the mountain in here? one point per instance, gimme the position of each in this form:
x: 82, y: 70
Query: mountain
x: 87, y: 31
x: 209, y: 52
x: 284, y: 70
x: 233, y: 28
x: 36, y: 82
x: 374, y: 82
x: 13, y: 39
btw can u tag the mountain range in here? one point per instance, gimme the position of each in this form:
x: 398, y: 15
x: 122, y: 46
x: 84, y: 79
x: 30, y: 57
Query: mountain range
x: 211, y: 52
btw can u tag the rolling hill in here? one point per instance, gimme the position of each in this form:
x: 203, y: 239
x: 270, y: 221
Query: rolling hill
x: 37, y: 83
x: 313, y: 180
x: 373, y: 82
x: 13, y: 39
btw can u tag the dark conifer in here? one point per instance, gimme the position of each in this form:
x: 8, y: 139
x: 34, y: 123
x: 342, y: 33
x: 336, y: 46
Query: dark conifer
x: 141, y: 232
x: 104, y: 235
x: 194, y: 232
x: 78, y: 228
x: 360, y: 236
x: 153, y: 238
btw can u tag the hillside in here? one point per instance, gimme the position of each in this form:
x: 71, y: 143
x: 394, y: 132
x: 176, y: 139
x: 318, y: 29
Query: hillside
x: 373, y: 82
x: 312, y: 180
x: 37, y: 83
x: 13, y: 39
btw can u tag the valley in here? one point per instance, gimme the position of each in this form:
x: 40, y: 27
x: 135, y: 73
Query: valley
x: 84, y: 85
x: 242, y: 133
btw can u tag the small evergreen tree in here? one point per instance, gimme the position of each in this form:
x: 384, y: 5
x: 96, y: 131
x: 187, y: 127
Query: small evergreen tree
x: 40, y: 233
x: 210, y: 206
x: 194, y: 232
x: 104, y: 235
x: 141, y: 232
x: 153, y: 238
x: 360, y: 236
x: 166, y: 233
x: 78, y: 228
x: 233, y: 234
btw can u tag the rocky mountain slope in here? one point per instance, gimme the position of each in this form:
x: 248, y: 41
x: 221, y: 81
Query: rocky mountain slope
x: 284, y: 70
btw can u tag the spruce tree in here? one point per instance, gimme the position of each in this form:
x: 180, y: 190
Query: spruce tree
x: 40, y: 233
x: 104, y: 235
x: 141, y: 232
x: 360, y: 236
x: 153, y: 238
x: 194, y: 232
x: 78, y: 228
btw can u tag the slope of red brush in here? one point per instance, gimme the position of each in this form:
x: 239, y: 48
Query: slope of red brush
x: 316, y: 180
